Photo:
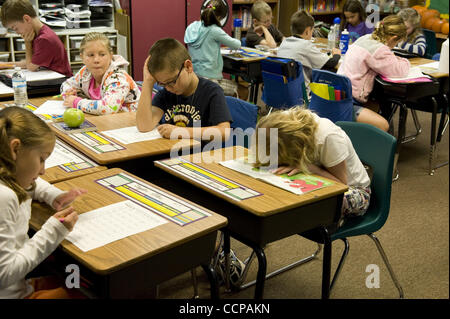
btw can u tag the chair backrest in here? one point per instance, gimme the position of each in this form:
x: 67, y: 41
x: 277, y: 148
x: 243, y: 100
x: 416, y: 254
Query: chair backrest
x: 284, y: 84
x: 430, y: 37
x: 377, y: 149
x: 244, y: 41
x: 244, y: 115
x: 341, y: 110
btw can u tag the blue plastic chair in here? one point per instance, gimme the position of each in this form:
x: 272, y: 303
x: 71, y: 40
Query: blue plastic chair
x: 244, y: 115
x: 244, y: 41
x: 284, y: 84
x: 381, y: 160
x: 430, y: 37
x: 333, y: 110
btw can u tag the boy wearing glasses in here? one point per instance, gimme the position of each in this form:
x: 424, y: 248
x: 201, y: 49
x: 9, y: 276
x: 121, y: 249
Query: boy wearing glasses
x: 263, y: 32
x: 186, y: 101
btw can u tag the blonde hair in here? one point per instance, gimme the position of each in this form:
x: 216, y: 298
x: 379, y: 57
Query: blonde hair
x: 259, y: 9
x: 390, y: 26
x: 16, y: 122
x: 296, y: 137
x: 167, y: 55
x: 413, y: 18
x: 95, y: 36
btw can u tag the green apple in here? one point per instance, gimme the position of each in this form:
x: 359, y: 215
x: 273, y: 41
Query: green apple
x: 73, y: 117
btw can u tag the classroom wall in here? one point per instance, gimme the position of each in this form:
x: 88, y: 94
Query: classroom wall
x: 157, y: 19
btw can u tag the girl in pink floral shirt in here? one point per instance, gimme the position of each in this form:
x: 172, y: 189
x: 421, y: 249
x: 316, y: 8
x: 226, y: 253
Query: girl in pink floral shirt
x: 102, y: 86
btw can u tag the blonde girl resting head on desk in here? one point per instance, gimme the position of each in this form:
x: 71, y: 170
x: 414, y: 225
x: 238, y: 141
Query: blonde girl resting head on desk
x: 102, y: 86
x: 310, y: 144
x: 25, y: 143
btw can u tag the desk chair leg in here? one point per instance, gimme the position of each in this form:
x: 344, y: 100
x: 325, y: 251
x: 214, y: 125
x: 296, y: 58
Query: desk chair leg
x: 326, y: 266
x: 248, y: 261
x: 388, y: 265
x: 212, y: 277
x: 341, y: 263
x: 195, y: 283
x: 413, y: 137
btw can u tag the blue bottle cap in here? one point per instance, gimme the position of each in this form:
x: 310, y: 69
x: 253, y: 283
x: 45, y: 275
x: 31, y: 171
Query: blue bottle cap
x: 337, y: 20
x: 237, y: 23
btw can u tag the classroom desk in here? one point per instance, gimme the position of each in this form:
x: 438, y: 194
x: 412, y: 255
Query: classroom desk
x: 400, y: 94
x: 249, y: 69
x: 260, y: 220
x: 132, y: 151
x: 132, y: 267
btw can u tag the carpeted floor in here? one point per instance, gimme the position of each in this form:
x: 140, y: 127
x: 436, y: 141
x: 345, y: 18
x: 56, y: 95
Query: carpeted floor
x: 415, y: 239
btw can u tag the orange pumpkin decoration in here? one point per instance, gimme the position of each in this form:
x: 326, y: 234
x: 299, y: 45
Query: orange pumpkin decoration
x: 419, y: 9
x: 430, y: 22
x: 444, y: 28
x: 436, y: 27
x: 427, y: 15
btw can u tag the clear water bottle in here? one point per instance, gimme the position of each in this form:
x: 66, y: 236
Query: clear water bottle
x: 337, y: 31
x: 331, y: 39
x: 345, y: 38
x: 19, y: 83
x: 237, y: 24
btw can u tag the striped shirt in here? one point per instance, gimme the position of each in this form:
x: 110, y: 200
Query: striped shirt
x: 418, y: 46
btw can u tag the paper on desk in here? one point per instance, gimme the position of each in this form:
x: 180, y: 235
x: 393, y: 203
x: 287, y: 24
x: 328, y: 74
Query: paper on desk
x: 105, y: 225
x: 414, y: 75
x: 63, y: 154
x: 51, y: 107
x: 4, y: 89
x: 128, y: 135
x: 297, y: 184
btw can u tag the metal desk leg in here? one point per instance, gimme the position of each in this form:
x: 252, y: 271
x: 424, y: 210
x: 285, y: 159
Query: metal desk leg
x: 262, y: 269
x: 226, y: 251
x: 432, y: 137
x: 326, y: 266
x: 212, y: 277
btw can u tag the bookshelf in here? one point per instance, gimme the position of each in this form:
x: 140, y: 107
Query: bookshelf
x: 241, y: 9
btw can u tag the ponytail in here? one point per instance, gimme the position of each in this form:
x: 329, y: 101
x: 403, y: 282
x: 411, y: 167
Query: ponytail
x: 390, y: 26
x: 214, y: 11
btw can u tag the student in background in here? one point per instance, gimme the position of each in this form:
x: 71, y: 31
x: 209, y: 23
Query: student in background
x: 415, y: 40
x: 102, y: 86
x: 263, y: 32
x: 310, y: 144
x: 354, y: 19
x: 25, y: 143
x: 204, y: 39
x: 186, y: 101
x: 369, y: 56
x: 43, y: 48
x: 300, y: 48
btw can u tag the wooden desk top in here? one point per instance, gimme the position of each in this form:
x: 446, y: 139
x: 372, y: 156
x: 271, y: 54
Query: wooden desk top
x: 56, y: 174
x: 273, y: 200
x: 420, y: 61
x: 129, y: 250
x: 131, y: 151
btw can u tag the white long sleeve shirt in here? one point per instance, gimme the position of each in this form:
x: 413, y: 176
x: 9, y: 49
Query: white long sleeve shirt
x: 20, y: 254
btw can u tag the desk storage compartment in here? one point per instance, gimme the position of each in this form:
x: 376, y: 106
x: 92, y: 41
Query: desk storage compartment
x: 19, y: 44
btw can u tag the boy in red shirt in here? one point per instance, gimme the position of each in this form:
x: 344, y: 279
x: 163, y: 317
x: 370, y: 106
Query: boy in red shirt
x: 43, y: 48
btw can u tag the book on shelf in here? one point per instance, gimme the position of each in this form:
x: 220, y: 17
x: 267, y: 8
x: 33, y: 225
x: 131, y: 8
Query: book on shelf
x: 320, y: 5
x: 86, y: 126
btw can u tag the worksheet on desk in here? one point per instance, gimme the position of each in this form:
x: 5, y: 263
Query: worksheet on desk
x: 128, y: 135
x: 105, y: 225
x: 51, y: 107
x: 67, y: 158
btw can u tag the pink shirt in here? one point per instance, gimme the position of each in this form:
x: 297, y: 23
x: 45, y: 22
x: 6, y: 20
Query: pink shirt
x: 49, y: 52
x: 95, y: 93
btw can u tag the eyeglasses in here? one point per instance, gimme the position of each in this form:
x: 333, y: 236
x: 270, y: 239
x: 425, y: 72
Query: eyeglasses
x: 173, y: 82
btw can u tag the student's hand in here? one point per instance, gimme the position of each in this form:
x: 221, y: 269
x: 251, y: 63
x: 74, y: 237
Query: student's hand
x: 335, y: 51
x: 68, y: 217
x: 29, y: 36
x: 286, y: 170
x: 259, y: 29
x: 68, y: 100
x: 166, y: 129
x: 147, y: 76
x: 67, y: 197
x: 70, y: 91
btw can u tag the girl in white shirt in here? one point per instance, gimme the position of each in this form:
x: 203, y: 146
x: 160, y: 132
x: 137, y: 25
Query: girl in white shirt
x: 308, y: 143
x: 25, y: 143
